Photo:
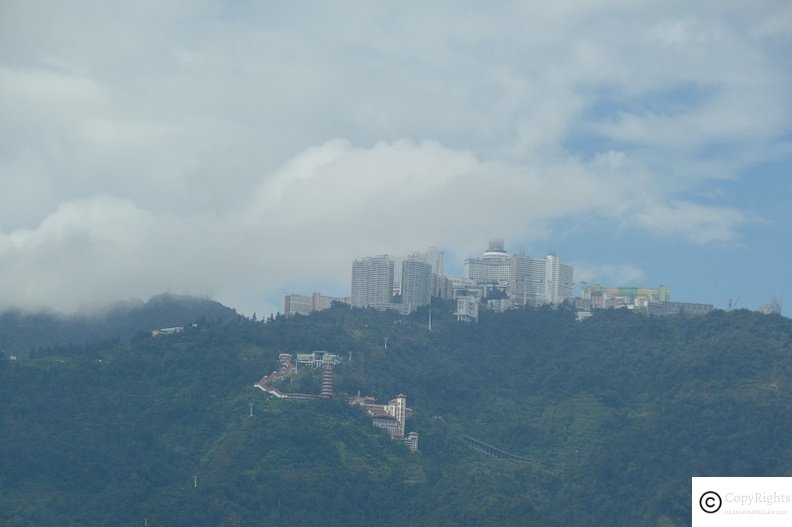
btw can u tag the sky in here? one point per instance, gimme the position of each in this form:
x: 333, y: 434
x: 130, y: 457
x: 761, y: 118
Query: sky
x: 243, y: 150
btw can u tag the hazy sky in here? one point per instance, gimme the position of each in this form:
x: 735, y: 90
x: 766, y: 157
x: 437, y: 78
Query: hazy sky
x: 247, y: 149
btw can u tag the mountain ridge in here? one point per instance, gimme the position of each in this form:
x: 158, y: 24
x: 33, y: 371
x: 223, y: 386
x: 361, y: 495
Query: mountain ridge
x: 24, y: 332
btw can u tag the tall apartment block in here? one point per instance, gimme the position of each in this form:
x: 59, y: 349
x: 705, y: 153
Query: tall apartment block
x: 372, y: 282
x: 434, y: 257
x: 559, y: 280
x: 416, y: 283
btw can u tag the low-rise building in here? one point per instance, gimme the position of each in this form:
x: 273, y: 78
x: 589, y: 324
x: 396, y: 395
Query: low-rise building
x: 412, y: 441
x: 467, y: 309
x: 599, y: 297
x: 678, y: 308
x: 390, y: 417
x: 318, y: 359
x: 167, y: 331
x: 294, y: 304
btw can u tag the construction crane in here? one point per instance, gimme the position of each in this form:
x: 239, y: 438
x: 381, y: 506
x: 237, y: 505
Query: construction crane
x: 733, y: 304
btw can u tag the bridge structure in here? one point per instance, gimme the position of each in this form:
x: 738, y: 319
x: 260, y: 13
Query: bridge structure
x: 492, y: 451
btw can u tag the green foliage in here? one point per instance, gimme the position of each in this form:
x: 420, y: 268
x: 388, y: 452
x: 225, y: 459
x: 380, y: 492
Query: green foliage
x: 612, y: 415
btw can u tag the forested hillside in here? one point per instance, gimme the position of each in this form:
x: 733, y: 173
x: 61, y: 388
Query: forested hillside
x: 25, y: 334
x: 611, y: 417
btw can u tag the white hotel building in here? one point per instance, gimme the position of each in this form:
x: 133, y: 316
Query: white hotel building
x: 529, y: 281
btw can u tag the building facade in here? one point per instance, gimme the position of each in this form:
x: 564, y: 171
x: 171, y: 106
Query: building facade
x: 467, y: 309
x: 600, y: 297
x: 372, y: 282
x: 390, y: 417
x: 678, y: 308
x: 528, y: 281
x: 405, y: 285
x: 434, y: 257
x: 494, y: 266
x: 294, y: 304
x: 416, y: 283
x: 559, y: 284
x: 442, y: 287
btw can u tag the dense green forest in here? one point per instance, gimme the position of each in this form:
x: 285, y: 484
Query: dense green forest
x: 612, y: 416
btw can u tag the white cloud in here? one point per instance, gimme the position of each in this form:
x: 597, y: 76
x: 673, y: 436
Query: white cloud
x: 609, y: 274
x: 697, y: 223
x: 191, y: 146
x: 307, y: 221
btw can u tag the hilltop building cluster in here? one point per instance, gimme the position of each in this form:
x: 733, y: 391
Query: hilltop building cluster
x: 650, y: 301
x: 495, y: 281
x: 391, y: 417
x: 504, y: 281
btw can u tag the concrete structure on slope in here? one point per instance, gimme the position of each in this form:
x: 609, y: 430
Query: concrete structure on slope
x: 314, y: 359
x: 167, y: 331
x: 391, y: 417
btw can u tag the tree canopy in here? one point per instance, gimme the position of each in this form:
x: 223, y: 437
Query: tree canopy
x: 612, y: 416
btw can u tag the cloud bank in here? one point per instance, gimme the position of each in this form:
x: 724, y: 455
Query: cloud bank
x: 240, y: 151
